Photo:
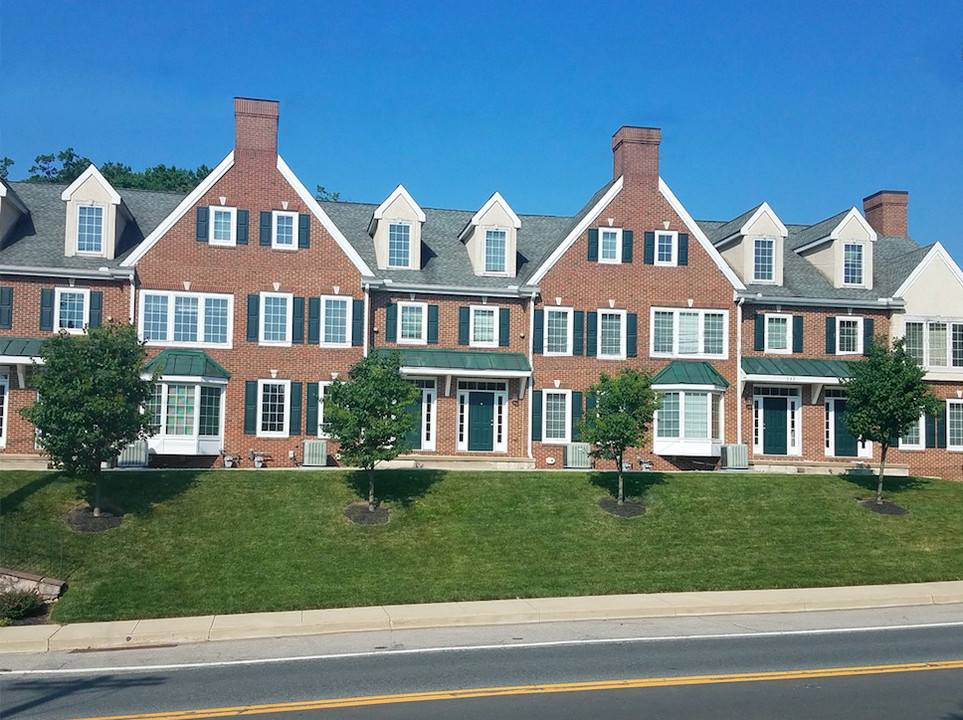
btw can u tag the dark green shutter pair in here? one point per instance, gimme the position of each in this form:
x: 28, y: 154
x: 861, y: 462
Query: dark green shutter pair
x: 831, y: 335
x: 464, y: 326
x: 94, y: 312
x: 254, y: 319
x: 936, y: 430
x: 593, y: 245
x: 391, y: 323
x: 631, y: 334
x: 6, y: 307
x: 203, y: 225
x: 682, y: 249
x: 759, y: 333
x: 578, y: 332
x: 294, y: 417
x: 267, y: 221
x: 576, y: 415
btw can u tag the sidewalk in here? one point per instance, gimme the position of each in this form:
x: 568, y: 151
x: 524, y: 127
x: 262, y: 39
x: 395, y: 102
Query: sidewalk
x: 142, y: 633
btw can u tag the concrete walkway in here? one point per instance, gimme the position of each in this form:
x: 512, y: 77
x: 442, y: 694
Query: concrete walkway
x: 144, y: 633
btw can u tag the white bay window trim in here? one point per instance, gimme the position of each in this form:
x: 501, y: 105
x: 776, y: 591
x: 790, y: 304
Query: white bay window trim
x: 680, y: 440
x: 193, y: 442
x: 288, y: 319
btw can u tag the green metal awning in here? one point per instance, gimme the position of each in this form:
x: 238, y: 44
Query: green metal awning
x: 689, y: 372
x: 803, y: 369
x: 17, y: 347
x: 454, y: 362
x: 187, y: 363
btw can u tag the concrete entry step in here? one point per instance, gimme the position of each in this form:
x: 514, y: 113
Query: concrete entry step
x: 820, y: 467
x: 22, y: 461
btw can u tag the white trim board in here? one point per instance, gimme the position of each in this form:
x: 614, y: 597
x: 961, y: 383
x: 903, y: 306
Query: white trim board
x: 936, y: 251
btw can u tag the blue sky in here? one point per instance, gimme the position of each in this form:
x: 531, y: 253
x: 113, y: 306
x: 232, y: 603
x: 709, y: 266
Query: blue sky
x: 809, y: 106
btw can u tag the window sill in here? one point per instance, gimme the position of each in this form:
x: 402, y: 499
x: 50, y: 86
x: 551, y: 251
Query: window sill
x: 334, y: 345
x: 565, y: 441
x: 557, y: 354
x: 274, y: 343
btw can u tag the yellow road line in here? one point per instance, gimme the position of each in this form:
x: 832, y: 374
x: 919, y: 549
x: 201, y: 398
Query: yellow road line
x: 535, y: 689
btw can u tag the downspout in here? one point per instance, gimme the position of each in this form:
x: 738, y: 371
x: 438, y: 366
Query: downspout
x: 131, y: 312
x: 531, y: 362
x: 367, y: 318
x: 739, y: 383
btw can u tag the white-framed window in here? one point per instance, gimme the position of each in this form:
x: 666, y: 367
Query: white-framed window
x: 273, y: 408
x: 222, y: 225
x: 915, y: 437
x: 180, y: 410
x: 483, y: 327
x: 276, y: 318
x: 559, y: 331
x: 763, y: 260
x: 778, y: 333
x: 413, y: 323
x: 496, y: 251
x: 284, y: 230
x: 610, y: 245
x: 935, y: 343
x: 852, y: 264
x: 666, y: 247
x: 689, y: 415
x: 680, y: 332
x: 71, y: 309
x: 4, y: 406
x: 399, y: 245
x: 954, y: 424
x: 849, y: 335
x: 90, y: 229
x: 336, y: 320
x: 612, y: 334
x: 182, y: 318
x: 322, y: 389
x: 556, y: 416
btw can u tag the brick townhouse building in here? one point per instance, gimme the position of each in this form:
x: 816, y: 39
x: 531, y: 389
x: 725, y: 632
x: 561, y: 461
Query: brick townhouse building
x: 252, y: 296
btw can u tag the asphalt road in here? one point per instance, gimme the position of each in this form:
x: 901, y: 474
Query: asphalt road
x: 676, y: 668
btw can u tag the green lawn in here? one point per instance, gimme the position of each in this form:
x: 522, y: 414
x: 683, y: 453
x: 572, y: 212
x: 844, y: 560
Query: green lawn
x: 240, y: 541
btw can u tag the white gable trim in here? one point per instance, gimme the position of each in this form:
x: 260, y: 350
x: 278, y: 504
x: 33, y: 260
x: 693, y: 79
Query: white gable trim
x: 326, y: 222
x: 764, y: 209
x: 700, y: 236
x: 937, y: 251
x: 576, y: 232
x: 186, y: 204
x: 496, y: 198
x: 400, y: 191
x: 91, y: 172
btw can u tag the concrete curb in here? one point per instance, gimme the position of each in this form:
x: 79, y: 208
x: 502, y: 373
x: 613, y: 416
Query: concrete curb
x: 164, y: 631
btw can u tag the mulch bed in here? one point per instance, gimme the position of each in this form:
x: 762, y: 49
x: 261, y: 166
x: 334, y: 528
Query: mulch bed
x: 628, y: 509
x: 359, y: 514
x: 81, y: 518
x: 41, y: 616
x: 885, y: 508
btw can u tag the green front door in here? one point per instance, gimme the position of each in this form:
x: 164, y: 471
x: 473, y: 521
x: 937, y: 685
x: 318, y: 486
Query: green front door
x: 414, y: 437
x: 481, y: 420
x: 774, y: 412
x: 845, y: 443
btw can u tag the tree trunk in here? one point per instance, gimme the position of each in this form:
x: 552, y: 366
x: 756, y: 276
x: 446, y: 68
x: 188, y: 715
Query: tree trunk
x: 882, y: 468
x: 621, y: 483
x: 371, y: 497
x: 96, y: 494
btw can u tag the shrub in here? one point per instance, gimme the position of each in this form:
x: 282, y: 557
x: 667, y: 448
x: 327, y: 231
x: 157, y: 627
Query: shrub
x: 17, y: 604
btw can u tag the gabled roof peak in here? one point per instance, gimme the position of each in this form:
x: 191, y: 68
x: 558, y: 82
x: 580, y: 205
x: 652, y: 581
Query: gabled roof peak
x: 399, y: 191
x: 91, y: 172
x: 495, y: 199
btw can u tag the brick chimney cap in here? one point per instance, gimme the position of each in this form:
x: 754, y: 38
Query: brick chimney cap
x: 634, y: 134
x: 256, y: 106
x: 892, y: 195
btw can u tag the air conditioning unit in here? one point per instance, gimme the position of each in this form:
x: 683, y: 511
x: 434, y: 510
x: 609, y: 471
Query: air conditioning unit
x: 735, y: 457
x: 577, y: 456
x: 134, y: 455
x: 314, y: 453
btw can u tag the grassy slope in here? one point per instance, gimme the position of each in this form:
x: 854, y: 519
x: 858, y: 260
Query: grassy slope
x: 241, y: 541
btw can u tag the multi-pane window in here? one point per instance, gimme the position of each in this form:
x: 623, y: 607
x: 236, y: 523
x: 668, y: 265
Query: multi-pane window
x: 913, y: 438
x: 495, y: 246
x: 276, y: 318
x: 849, y: 336
x: 610, y: 245
x: 336, y: 319
x: 209, y: 420
x: 484, y: 330
x: 688, y: 333
x: 185, y: 318
x: 668, y: 425
x: 611, y: 334
x: 954, y: 424
x: 154, y: 406
x: 180, y: 410
x: 223, y: 222
x: 852, y: 264
x: 273, y: 407
x: 71, y: 310
x: 399, y: 245
x: 696, y: 415
x: 558, y: 331
x: 185, y: 409
x: 763, y: 265
x: 778, y: 329
x: 285, y: 230
x: 914, y: 342
x: 689, y: 415
x: 90, y: 229
x: 556, y: 416
x: 665, y: 248
x: 4, y: 385
x: 411, y: 322
x: 937, y: 343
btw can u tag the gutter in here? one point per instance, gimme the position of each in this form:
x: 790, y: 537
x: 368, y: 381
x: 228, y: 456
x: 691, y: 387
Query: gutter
x: 760, y: 299
x: 116, y: 273
x: 511, y: 291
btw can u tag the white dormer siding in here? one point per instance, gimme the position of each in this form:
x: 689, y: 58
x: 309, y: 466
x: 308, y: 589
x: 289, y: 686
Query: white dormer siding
x: 96, y: 216
x: 491, y: 238
x: 396, y: 231
x: 755, y: 251
x: 845, y: 256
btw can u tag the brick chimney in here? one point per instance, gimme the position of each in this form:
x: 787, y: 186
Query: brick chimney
x: 636, y: 151
x: 256, y: 126
x: 885, y: 211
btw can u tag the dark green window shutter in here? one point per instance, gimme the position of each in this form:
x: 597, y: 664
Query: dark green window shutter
x: 464, y: 315
x: 930, y: 431
x: 797, y: 333
x: 631, y: 334
x: 593, y: 245
x: 311, y: 410
x: 253, y: 317
x: 538, y: 332
x: 391, y: 323
x: 536, y: 415
x: 759, y: 332
x: 304, y: 231
x: 294, y: 422
x: 578, y: 332
x: 357, y: 323
x: 504, y: 327
x: 265, y: 236
x: 648, y: 248
x: 96, y: 315
x: 6, y: 307
x: 242, y: 227
x: 941, y: 429
x: 830, y: 336
x: 250, y: 407
x: 590, y: 401
x: 297, y: 321
x: 867, y: 335
x: 592, y: 334
x: 314, y: 320
x: 576, y: 416
x: 47, y: 310
x: 432, y: 324
x: 627, y: 238
x: 683, y: 249
x: 202, y: 232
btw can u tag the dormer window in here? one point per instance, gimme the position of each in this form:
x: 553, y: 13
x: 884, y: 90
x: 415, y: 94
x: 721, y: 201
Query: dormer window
x: 395, y: 228
x: 610, y: 245
x: 666, y: 248
x: 285, y: 235
x: 90, y: 229
x: 852, y: 264
x: 223, y: 225
x: 495, y: 244
x: 763, y: 265
x: 399, y: 245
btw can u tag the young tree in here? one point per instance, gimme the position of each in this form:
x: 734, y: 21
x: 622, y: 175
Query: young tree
x: 885, y: 397
x: 368, y: 414
x: 624, y: 407
x: 91, y: 395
